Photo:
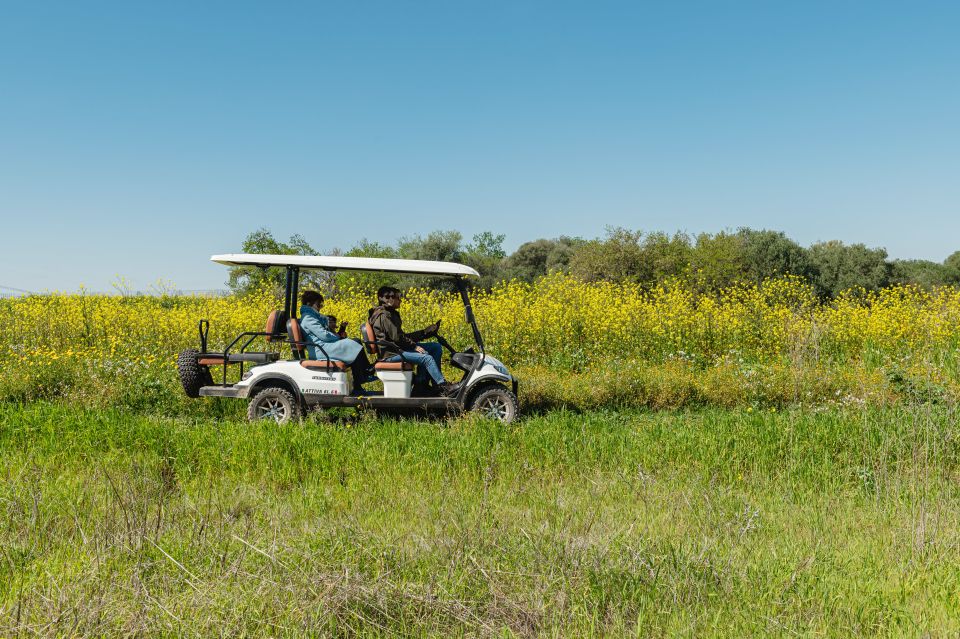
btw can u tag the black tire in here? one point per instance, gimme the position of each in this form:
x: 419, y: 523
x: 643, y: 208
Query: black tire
x: 274, y: 403
x: 495, y: 401
x: 193, y: 376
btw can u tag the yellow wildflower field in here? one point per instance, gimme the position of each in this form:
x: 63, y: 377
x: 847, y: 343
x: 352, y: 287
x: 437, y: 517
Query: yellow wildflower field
x: 574, y: 342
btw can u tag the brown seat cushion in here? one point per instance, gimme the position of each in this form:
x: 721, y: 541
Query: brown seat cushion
x: 393, y: 366
x: 275, y: 327
x: 322, y: 363
x: 296, y: 337
x: 368, y: 338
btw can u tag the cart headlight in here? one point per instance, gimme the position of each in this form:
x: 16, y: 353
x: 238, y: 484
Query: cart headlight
x: 246, y: 376
x: 501, y: 369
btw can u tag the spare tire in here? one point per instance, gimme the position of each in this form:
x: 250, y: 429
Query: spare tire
x: 193, y: 375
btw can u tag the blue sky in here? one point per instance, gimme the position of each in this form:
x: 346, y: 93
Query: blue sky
x: 136, y: 139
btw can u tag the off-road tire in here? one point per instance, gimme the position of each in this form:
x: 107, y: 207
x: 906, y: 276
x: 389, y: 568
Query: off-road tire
x: 193, y: 375
x: 274, y: 403
x: 495, y: 401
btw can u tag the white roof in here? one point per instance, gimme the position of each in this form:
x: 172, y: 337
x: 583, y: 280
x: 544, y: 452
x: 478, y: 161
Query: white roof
x: 341, y: 263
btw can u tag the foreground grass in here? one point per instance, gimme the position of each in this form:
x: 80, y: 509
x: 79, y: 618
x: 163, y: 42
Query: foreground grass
x: 709, y: 523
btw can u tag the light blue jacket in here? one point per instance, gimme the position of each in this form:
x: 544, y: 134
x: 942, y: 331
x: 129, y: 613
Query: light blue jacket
x: 315, y: 330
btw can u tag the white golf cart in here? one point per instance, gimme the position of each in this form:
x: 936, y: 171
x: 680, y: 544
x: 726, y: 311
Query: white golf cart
x: 283, y: 389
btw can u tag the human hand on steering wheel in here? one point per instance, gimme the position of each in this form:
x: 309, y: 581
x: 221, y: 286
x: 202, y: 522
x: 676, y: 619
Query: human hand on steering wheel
x: 433, y: 329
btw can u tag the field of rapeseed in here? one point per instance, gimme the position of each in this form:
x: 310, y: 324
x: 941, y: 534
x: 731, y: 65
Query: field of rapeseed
x: 571, y: 343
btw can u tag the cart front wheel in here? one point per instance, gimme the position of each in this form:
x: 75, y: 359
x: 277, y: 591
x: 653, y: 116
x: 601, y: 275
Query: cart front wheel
x: 496, y: 402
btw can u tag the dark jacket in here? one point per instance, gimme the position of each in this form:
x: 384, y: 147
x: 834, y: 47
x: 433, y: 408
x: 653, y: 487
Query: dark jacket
x: 387, y: 326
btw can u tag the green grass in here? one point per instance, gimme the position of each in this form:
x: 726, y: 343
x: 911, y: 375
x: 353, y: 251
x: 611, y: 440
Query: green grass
x: 708, y: 523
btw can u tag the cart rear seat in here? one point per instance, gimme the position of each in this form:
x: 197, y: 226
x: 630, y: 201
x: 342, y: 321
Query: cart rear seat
x: 273, y: 331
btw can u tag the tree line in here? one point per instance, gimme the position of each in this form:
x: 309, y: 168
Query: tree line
x: 706, y: 261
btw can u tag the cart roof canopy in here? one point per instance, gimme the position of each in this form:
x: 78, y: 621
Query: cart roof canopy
x: 342, y: 263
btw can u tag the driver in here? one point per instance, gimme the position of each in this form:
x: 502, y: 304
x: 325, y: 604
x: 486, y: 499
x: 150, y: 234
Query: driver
x: 388, y: 327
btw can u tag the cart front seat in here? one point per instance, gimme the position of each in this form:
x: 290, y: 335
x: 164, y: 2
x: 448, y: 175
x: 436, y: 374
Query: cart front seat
x: 370, y: 343
x: 297, y: 346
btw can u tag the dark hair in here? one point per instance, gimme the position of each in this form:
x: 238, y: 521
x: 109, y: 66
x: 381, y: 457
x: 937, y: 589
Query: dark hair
x: 384, y: 290
x: 309, y: 298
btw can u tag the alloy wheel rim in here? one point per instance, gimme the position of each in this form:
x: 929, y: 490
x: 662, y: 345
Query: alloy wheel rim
x: 272, y: 408
x: 495, y: 407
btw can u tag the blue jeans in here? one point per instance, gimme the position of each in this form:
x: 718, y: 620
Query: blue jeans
x: 428, y: 364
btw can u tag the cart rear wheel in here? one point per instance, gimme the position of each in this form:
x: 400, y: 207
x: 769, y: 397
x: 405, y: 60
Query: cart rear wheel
x: 496, y: 402
x: 275, y: 404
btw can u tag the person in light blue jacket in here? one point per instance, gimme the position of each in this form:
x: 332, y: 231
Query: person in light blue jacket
x: 317, y: 331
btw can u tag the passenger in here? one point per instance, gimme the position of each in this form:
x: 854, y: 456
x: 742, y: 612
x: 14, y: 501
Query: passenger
x: 388, y: 327
x: 316, y: 330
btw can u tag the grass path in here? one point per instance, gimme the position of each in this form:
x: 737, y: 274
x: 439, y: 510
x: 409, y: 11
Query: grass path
x: 714, y: 523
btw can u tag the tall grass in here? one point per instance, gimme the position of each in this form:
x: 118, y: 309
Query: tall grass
x: 709, y: 523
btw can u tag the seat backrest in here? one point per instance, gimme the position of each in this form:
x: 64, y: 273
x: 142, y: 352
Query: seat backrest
x: 368, y: 338
x: 276, y: 326
x: 296, y: 338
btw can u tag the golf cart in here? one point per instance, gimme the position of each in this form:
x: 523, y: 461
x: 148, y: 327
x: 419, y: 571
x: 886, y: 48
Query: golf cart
x: 284, y: 389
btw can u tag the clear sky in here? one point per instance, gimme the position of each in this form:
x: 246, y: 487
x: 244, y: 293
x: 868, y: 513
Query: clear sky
x: 136, y: 139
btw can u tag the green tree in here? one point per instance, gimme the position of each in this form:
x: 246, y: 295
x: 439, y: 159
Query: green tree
x: 666, y: 256
x: 485, y: 253
x: 717, y: 261
x: 952, y: 267
x: 487, y: 256
x: 617, y: 258
x: 771, y: 254
x: 243, y: 279
x: 437, y: 246
x: 529, y: 261
x: 630, y: 256
x: 919, y: 272
x: 440, y: 246
x: 838, y: 267
x: 368, y: 281
x: 539, y: 257
x: 558, y: 259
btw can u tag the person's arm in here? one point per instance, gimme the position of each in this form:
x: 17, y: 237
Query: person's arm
x: 407, y: 344
x: 423, y: 333
x: 317, y: 330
